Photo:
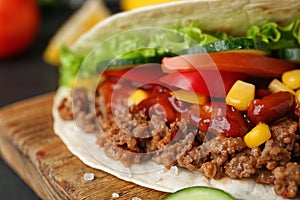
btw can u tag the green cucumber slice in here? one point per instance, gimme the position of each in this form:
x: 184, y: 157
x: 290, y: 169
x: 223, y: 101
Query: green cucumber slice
x: 201, y: 193
x: 291, y: 54
x: 235, y: 44
x: 122, y: 63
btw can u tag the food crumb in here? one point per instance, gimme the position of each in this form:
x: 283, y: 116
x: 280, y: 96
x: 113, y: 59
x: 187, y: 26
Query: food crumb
x: 174, y: 170
x: 88, y: 176
x: 115, y: 195
x: 136, y: 198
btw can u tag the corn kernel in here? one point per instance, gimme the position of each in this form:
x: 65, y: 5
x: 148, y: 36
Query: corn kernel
x: 190, y: 97
x: 89, y: 83
x: 240, y: 95
x: 292, y: 78
x: 298, y: 95
x: 137, y: 96
x: 277, y: 86
x: 258, y: 135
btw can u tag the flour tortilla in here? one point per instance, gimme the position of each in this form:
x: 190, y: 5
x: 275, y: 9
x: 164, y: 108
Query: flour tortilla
x: 232, y: 16
x: 83, y: 145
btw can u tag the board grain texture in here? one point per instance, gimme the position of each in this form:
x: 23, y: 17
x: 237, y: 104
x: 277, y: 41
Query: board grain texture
x: 30, y: 147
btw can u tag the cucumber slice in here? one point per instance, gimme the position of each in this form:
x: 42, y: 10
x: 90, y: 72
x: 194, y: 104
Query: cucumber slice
x: 246, y: 45
x: 201, y: 193
x: 291, y: 54
x: 123, y: 63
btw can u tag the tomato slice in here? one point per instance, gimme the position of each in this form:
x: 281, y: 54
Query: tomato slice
x: 212, y: 83
x: 147, y: 73
x: 250, y: 64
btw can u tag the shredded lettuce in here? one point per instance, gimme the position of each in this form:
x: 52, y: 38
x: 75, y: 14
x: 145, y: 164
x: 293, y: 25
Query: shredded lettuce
x: 70, y: 63
x: 135, y: 44
x: 167, y: 42
x: 277, y: 36
x: 193, y: 32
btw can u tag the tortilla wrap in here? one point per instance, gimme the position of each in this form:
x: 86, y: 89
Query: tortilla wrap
x: 83, y: 145
x: 232, y: 16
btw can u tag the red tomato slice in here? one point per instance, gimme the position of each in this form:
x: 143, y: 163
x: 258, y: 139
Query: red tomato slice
x: 147, y: 73
x: 212, y: 83
x: 250, y: 64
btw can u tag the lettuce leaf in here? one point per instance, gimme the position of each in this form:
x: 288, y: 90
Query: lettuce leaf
x: 135, y: 44
x: 70, y: 63
x: 277, y: 36
x: 147, y: 44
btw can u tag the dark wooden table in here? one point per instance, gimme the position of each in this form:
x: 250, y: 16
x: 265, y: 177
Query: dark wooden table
x: 26, y: 76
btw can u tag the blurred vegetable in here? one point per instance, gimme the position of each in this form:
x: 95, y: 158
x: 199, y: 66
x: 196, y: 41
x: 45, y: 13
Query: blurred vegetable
x: 292, y: 78
x: 277, y: 86
x: 89, y: 14
x: 71, y: 63
x: 132, y: 4
x: 19, y: 22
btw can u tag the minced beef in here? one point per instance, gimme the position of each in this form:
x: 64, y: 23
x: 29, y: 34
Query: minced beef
x: 208, y: 158
x: 284, y: 133
x: 243, y: 165
x: 273, y: 156
x: 191, y: 159
x: 79, y: 108
x: 240, y: 167
x: 81, y: 102
x: 264, y: 176
x: 131, y: 136
x: 170, y: 153
x: 65, y: 109
x: 287, y: 180
x: 119, y: 153
x: 87, y: 122
x: 211, y: 170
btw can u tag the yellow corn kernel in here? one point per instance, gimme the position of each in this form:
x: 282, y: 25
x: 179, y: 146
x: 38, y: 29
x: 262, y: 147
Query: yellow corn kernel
x: 137, y: 96
x: 190, y: 97
x: 298, y: 95
x: 277, y: 86
x: 240, y: 95
x: 89, y: 83
x: 258, y: 135
x: 291, y: 78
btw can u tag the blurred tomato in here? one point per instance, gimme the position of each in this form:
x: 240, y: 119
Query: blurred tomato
x: 19, y: 23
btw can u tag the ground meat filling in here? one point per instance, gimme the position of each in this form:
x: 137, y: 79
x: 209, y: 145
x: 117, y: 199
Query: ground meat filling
x: 243, y: 165
x: 273, y: 155
x: 65, y: 109
x: 131, y: 136
x: 287, y: 180
x: 284, y: 133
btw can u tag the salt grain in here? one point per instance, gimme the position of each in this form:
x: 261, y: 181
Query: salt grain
x: 136, y: 198
x: 174, y: 170
x: 88, y: 176
x: 115, y: 195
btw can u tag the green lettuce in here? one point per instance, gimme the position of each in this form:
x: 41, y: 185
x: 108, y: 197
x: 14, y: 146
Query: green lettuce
x: 70, y: 64
x: 277, y: 36
x: 143, y: 43
x: 133, y: 45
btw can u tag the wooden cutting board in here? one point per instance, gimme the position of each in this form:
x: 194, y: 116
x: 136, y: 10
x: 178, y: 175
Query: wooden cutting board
x: 29, y: 146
